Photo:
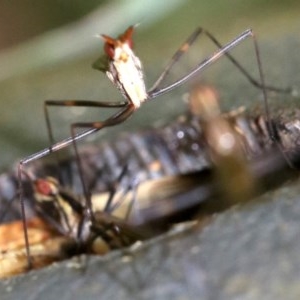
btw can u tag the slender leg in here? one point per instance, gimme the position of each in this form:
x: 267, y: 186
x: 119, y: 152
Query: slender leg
x: 72, y: 103
x: 128, y: 109
x: 189, y: 42
x: 214, y: 57
x: 75, y: 103
x: 132, y: 187
x: 176, y: 57
x: 119, y: 117
x: 108, y: 207
x: 22, y: 205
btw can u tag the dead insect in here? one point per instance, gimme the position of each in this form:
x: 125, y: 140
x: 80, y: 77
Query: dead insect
x: 63, y: 229
x: 46, y: 246
x: 232, y: 177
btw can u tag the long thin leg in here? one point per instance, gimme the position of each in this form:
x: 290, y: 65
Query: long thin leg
x: 127, y: 110
x: 186, y: 46
x: 214, y: 57
x: 130, y: 188
x: 76, y: 103
x: 119, y: 117
x: 152, y: 94
x: 22, y: 205
x: 72, y: 103
x: 202, y: 65
x: 108, y: 206
x: 252, y: 80
x: 176, y: 57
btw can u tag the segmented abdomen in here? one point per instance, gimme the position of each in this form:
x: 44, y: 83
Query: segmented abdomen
x: 172, y: 149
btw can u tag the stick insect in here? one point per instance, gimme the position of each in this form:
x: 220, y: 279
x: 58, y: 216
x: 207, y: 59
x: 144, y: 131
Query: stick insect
x: 124, y: 69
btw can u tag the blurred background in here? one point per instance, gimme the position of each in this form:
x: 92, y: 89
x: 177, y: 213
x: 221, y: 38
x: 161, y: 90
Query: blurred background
x: 46, y: 52
x: 47, y: 48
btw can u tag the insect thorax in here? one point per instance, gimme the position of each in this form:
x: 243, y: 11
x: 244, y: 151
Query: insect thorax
x: 127, y: 75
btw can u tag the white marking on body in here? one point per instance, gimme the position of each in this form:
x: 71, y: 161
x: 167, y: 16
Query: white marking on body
x: 130, y: 74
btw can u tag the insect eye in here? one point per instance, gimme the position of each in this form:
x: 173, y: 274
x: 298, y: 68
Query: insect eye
x: 43, y: 187
x: 109, y: 50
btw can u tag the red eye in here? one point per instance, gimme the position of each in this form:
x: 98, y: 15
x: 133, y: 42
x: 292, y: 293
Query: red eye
x: 109, y: 50
x: 43, y: 187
